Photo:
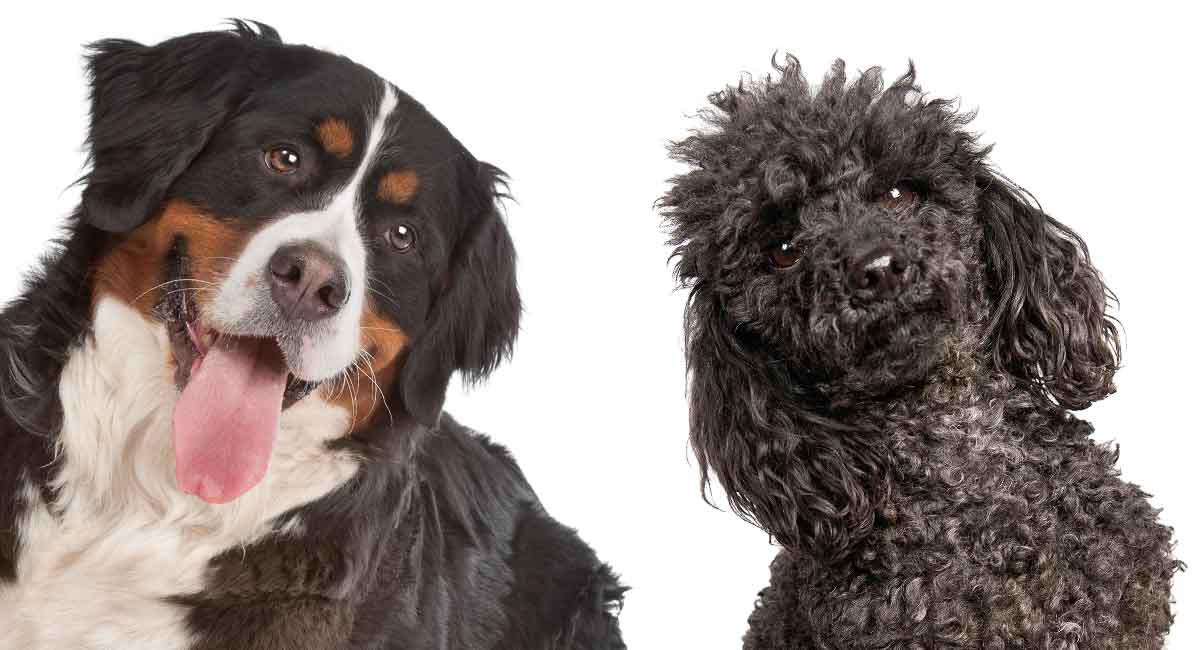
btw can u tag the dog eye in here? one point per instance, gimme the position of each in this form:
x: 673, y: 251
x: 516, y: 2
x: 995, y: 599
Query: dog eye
x: 784, y: 255
x: 402, y: 238
x: 282, y: 160
x: 900, y: 197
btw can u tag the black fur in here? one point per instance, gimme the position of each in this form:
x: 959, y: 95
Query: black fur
x: 153, y: 111
x: 438, y: 541
x: 448, y: 549
x: 914, y: 454
x: 475, y: 314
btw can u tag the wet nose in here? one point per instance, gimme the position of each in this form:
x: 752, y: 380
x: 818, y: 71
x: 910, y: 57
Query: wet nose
x: 878, y: 273
x: 307, y: 282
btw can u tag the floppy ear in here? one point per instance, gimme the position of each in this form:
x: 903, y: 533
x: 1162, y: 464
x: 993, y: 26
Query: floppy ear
x: 1050, y: 328
x: 815, y: 485
x: 474, y: 320
x: 153, y: 111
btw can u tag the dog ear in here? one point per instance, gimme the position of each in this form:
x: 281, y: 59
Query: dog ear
x: 813, y: 484
x: 1050, y: 328
x: 154, y: 108
x: 474, y: 319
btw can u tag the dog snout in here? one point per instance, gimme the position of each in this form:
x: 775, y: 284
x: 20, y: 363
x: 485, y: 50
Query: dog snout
x: 877, y: 274
x: 307, y: 282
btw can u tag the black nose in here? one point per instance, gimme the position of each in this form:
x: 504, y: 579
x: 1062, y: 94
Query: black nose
x: 877, y: 274
x: 307, y: 283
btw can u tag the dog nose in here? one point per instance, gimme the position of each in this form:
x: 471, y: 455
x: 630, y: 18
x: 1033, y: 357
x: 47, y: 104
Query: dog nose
x: 879, y: 273
x: 307, y: 283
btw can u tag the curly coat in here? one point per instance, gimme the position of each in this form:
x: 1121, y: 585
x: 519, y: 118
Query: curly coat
x: 913, y: 452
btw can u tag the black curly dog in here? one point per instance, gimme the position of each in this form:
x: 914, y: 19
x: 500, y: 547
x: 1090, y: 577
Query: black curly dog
x: 886, y: 339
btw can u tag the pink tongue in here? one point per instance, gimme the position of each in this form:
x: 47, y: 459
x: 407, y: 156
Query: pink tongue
x: 227, y: 417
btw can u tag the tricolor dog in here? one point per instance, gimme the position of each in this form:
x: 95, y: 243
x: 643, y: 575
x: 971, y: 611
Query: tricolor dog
x: 221, y: 393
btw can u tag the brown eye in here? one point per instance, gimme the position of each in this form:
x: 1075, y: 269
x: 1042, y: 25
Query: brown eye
x: 402, y: 238
x: 900, y: 197
x: 784, y: 255
x: 282, y: 160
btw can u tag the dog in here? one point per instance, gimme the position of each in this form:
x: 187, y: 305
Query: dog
x: 221, y: 393
x: 886, y: 339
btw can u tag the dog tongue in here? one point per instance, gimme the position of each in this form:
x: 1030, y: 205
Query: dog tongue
x: 226, y: 418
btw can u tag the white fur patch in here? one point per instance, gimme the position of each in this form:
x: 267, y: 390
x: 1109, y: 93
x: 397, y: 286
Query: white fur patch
x: 125, y: 537
x: 881, y: 262
x: 335, y: 227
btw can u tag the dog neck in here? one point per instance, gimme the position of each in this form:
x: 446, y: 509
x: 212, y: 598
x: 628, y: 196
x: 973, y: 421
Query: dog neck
x: 822, y: 474
x: 961, y: 380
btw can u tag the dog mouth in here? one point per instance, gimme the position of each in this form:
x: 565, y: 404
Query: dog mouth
x: 191, y: 340
x: 864, y: 349
x: 232, y: 393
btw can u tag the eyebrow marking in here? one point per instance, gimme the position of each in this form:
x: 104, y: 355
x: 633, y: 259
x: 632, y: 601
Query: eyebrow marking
x: 335, y: 137
x: 398, y: 186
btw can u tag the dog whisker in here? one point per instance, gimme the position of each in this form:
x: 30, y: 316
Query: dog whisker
x: 168, y: 282
x: 390, y: 300
x: 370, y: 359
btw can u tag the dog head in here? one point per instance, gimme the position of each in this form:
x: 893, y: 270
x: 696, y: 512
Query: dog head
x: 298, y: 226
x: 842, y: 242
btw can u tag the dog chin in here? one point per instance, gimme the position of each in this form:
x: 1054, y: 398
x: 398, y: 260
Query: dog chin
x: 889, y: 356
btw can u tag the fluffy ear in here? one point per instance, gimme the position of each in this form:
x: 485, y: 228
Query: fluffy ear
x: 474, y: 320
x: 813, y: 484
x: 153, y: 111
x: 1050, y: 328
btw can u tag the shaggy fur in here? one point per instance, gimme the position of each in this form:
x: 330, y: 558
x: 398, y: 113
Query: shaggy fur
x: 913, y: 451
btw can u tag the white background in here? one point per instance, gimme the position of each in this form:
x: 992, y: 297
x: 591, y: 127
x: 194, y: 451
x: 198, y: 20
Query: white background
x: 1092, y: 110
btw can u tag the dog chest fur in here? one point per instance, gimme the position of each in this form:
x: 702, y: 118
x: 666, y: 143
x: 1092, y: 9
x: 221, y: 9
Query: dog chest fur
x: 97, y: 567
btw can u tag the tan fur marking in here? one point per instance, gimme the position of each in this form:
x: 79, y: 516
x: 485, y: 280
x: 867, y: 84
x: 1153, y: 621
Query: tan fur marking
x: 336, y: 137
x: 133, y: 268
x: 360, y: 395
x: 398, y: 187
